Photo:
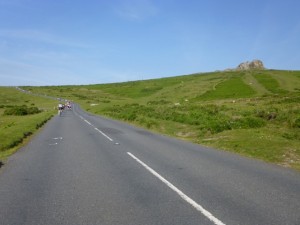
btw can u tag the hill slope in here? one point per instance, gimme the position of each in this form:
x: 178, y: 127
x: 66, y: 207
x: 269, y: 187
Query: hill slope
x: 255, y: 113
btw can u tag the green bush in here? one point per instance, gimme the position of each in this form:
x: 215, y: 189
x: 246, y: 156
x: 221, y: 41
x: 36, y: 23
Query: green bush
x: 217, y: 126
x: 296, y: 123
x: 149, y: 123
x: 249, y: 122
x: 21, y: 110
x: 268, y: 115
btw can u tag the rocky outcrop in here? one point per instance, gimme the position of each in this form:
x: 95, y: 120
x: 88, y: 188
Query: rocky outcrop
x: 255, y: 64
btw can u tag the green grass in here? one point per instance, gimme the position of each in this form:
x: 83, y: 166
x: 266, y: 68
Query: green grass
x: 230, y: 88
x: 261, y: 144
x: 270, y: 83
x: 14, y: 129
x: 21, y: 115
x: 253, y: 113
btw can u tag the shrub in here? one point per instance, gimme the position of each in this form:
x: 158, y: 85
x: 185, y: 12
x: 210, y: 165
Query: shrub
x: 252, y: 122
x: 217, y: 126
x: 150, y: 123
x: 296, y: 123
x: 268, y: 115
x: 130, y: 117
x: 21, y: 110
x: 17, y: 111
x: 33, y: 110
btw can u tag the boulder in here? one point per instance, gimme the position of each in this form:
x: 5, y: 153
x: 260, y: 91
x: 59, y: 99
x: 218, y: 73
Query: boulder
x: 255, y: 64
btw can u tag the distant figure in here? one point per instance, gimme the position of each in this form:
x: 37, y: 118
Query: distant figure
x: 69, y: 106
x: 60, y: 109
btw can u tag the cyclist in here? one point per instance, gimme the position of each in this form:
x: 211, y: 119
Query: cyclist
x: 69, y: 106
x: 60, y: 109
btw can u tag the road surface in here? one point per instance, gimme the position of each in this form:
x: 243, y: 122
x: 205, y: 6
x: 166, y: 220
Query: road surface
x: 84, y: 169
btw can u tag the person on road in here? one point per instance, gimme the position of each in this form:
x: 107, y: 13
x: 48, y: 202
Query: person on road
x: 69, y: 106
x: 60, y: 109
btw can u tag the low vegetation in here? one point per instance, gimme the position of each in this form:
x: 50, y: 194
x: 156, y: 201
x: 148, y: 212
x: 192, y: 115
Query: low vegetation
x: 21, y: 115
x: 255, y: 113
x: 20, y: 110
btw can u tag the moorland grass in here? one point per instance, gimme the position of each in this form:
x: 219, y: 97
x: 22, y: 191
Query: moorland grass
x: 233, y: 87
x: 270, y: 83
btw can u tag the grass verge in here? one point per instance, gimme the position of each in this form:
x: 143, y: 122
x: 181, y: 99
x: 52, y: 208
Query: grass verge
x: 21, y: 115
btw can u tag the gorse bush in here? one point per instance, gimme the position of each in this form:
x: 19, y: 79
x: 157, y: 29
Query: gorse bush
x: 211, y: 118
x: 21, y: 110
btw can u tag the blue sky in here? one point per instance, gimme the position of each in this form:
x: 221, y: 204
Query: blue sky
x: 47, y: 42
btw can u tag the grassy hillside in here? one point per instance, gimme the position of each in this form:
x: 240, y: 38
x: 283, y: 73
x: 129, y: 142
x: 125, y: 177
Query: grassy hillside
x: 254, y: 113
x: 20, y: 116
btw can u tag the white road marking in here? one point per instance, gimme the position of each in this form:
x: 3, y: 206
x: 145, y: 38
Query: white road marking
x: 56, y: 138
x: 103, y: 134
x: 87, y: 122
x: 54, y: 144
x: 179, y: 192
x: 95, y: 128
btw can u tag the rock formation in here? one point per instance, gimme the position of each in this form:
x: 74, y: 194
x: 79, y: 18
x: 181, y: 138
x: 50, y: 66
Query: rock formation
x: 255, y: 64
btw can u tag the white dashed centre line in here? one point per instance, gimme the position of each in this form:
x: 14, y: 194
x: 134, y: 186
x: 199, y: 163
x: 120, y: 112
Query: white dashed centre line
x: 103, y: 134
x: 179, y: 192
x: 95, y: 128
x: 87, y: 122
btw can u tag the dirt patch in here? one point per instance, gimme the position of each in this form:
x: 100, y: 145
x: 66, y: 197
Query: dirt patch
x: 186, y: 134
x: 290, y: 158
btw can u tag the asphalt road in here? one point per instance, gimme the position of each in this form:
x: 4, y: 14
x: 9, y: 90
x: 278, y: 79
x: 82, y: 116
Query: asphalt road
x: 84, y: 169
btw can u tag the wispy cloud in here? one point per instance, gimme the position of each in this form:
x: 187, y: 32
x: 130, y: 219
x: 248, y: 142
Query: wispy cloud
x: 40, y: 36
x: 136, y: 9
